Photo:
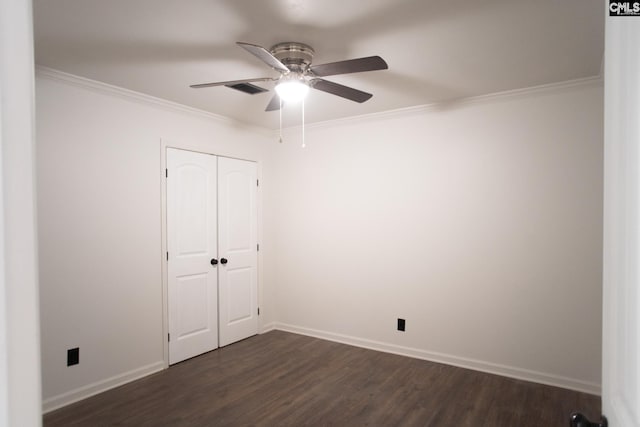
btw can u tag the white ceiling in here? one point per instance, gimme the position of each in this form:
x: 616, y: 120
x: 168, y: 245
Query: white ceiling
x: 437, y: 51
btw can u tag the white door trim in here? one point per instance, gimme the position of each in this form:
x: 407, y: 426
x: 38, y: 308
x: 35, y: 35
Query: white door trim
x: 621, y: 238
x: 204, y: 148
x: 20, y: 383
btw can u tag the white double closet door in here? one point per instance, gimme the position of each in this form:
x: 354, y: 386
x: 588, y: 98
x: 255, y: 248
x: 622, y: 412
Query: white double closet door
x: 212, y: 252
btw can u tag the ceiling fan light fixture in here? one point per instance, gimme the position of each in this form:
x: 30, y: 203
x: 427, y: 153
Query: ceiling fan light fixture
x: 292, y: 90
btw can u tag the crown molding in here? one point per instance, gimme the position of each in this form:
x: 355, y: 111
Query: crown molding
x: 130, y: 95
x: 460, y: 102
x: 83, y: 82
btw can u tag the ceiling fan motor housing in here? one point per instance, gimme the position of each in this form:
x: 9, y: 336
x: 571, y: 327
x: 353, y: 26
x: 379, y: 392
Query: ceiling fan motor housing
x: 296, y: 56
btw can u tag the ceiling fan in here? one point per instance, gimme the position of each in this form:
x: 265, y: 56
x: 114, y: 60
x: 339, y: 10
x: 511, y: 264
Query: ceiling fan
x: 293, y: 61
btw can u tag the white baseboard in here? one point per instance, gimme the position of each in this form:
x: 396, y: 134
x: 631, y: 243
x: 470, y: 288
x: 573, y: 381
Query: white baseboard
x: 64, y: 399
x: 462, y: 362
x: 89, y: 390
x: 268, y: 327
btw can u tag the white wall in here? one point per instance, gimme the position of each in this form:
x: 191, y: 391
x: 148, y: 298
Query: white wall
x: 99, y: 204
x: 479, y: 223
x: 20, y: 400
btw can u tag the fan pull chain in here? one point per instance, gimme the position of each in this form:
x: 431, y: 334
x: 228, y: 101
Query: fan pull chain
x: 280, y: 99
x: 303, y: 144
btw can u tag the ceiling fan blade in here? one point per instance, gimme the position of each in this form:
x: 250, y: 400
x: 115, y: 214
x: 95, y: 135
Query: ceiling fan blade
x: 274, y: 104
x: 264, y: 55
x: 340, y: 90
x: 370, y: 63
x: 232, y: 82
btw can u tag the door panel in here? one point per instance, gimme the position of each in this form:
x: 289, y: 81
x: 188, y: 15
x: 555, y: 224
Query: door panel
x: 191, y: 243
x: 192, y: 188
x: 239, y: 295
x: 193, y: 316
x: 237, y: 240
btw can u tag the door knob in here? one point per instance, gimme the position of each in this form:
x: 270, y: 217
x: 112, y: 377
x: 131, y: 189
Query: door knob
x: 214, y: 261
x: 223, y: 261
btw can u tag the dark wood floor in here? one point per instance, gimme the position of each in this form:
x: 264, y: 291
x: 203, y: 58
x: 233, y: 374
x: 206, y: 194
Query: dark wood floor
x: 283, y: 379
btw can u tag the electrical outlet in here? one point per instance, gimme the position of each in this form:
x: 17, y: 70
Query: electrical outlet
x: 73, y: 356
x: 401, y: 323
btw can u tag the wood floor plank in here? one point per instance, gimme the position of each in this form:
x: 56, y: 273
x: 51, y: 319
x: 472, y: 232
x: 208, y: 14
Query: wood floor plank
x: 284, y: 379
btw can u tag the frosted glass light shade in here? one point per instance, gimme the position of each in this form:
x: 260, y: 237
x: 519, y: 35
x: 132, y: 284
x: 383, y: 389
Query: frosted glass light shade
x: 292, y: 90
